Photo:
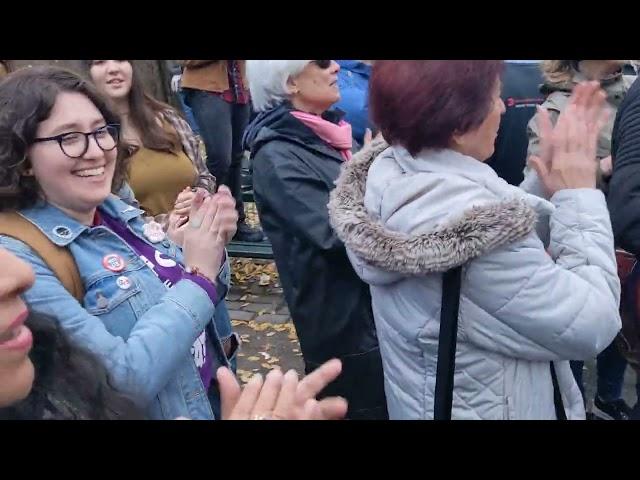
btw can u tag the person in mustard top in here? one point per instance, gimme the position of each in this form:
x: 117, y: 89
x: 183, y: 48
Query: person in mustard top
x: 166, y: 165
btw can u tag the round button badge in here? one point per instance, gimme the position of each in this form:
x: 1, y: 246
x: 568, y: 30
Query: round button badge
x: 62, y: 231
x: 124, y: 283
x: 113, y: 262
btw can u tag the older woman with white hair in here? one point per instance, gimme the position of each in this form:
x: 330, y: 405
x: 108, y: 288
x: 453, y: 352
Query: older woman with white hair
x: 298, y: 145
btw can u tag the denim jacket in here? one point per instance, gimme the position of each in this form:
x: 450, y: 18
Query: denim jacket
x: 144, y: 332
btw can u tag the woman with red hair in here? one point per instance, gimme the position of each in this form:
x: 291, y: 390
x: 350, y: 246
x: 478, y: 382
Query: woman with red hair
x: 426, y: 203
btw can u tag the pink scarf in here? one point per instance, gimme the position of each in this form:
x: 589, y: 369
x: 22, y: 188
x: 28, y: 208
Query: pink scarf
x: 338, y: 136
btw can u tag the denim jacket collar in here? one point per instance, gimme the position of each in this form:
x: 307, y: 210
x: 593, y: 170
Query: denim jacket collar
x: 62, y: 230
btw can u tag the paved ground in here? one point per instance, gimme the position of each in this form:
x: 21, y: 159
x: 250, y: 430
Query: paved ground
x: 260, y: 316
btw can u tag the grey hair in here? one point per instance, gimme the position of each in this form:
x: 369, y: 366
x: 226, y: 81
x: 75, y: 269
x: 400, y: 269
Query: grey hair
x: 268, y: 81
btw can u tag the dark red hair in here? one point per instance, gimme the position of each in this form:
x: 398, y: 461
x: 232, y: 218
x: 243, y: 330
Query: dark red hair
x: 422, y: 103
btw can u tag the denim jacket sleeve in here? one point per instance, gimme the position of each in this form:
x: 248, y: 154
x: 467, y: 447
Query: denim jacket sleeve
x: 161, y: 338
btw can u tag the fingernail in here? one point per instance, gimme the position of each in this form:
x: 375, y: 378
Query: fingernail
x: 291, y: 374
x: 257, y: 378
x: 273, y: 373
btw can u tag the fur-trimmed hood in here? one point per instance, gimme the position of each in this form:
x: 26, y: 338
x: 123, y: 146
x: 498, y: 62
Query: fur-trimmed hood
x: 475, y: 232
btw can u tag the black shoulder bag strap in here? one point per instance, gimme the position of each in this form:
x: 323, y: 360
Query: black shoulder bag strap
x: 447, y: 344
x: 557, y: 396
x: 443, y: 401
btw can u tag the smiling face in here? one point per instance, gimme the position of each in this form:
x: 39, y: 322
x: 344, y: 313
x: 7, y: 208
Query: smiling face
x: 315, y: 89
x: 75, y: 185
x: 16, y: 369
x: 112, y: 77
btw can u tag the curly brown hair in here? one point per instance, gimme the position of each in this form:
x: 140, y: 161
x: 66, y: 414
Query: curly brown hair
x: 27, y: 97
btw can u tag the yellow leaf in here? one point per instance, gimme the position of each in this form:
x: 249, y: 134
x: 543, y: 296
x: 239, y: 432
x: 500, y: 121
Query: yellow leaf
x: 253, y: 358
x: 270, y: 334
x: 266, y: 365
x: 235, y: 323
x: 273, y: 360
x: 259, y: 327
x: 244, y: 375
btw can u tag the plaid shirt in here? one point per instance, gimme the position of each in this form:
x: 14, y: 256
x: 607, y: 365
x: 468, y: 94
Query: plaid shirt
x: 191, y: 144
x: 236, y: 92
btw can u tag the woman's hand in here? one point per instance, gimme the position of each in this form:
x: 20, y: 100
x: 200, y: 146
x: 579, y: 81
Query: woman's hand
x: 176, y: 227
x: 212, y: 222
x: 568, y: 151
x: 369, y: 138
x: 182, y: 205
x: 281, y: 397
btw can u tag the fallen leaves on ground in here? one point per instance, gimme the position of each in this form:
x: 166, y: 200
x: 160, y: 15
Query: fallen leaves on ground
x: 274, y: 327
x: 251, y: 214
x: 246, y: 271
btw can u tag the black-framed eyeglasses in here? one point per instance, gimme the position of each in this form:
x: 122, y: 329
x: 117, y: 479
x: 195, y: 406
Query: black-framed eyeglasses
x: 76, y: 144
x: 323, y: 64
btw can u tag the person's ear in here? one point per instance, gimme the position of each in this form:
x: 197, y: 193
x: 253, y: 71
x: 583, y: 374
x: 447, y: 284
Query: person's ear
x: 457, y: 139
x: 292, y: 85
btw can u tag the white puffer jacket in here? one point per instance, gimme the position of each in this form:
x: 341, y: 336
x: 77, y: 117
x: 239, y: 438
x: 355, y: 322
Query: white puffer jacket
x: 406, y: 220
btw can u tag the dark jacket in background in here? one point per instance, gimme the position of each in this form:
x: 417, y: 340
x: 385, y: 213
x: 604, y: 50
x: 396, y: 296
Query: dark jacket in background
x: 521, y: 93
x: 624, y: 187
x: 294, y: 171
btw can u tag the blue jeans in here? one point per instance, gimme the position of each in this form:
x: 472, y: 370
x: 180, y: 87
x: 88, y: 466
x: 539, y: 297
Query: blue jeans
x: 221, y: 125
x: 611, y: 366
x: 188, y: 113
x: 224, y: 330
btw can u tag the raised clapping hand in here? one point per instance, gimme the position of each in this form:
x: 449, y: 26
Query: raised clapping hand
x: 212, y: 223
x: 568, y: 151
x: 281, y: 397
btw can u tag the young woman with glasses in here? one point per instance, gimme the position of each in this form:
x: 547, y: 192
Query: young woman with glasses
x: 150, y: 309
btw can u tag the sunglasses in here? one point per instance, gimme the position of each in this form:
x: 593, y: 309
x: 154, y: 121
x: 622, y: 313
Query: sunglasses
x: 323, y: 64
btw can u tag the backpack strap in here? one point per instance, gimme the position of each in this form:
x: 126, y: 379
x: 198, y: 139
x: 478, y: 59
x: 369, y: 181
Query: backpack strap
x: 58, y: 259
